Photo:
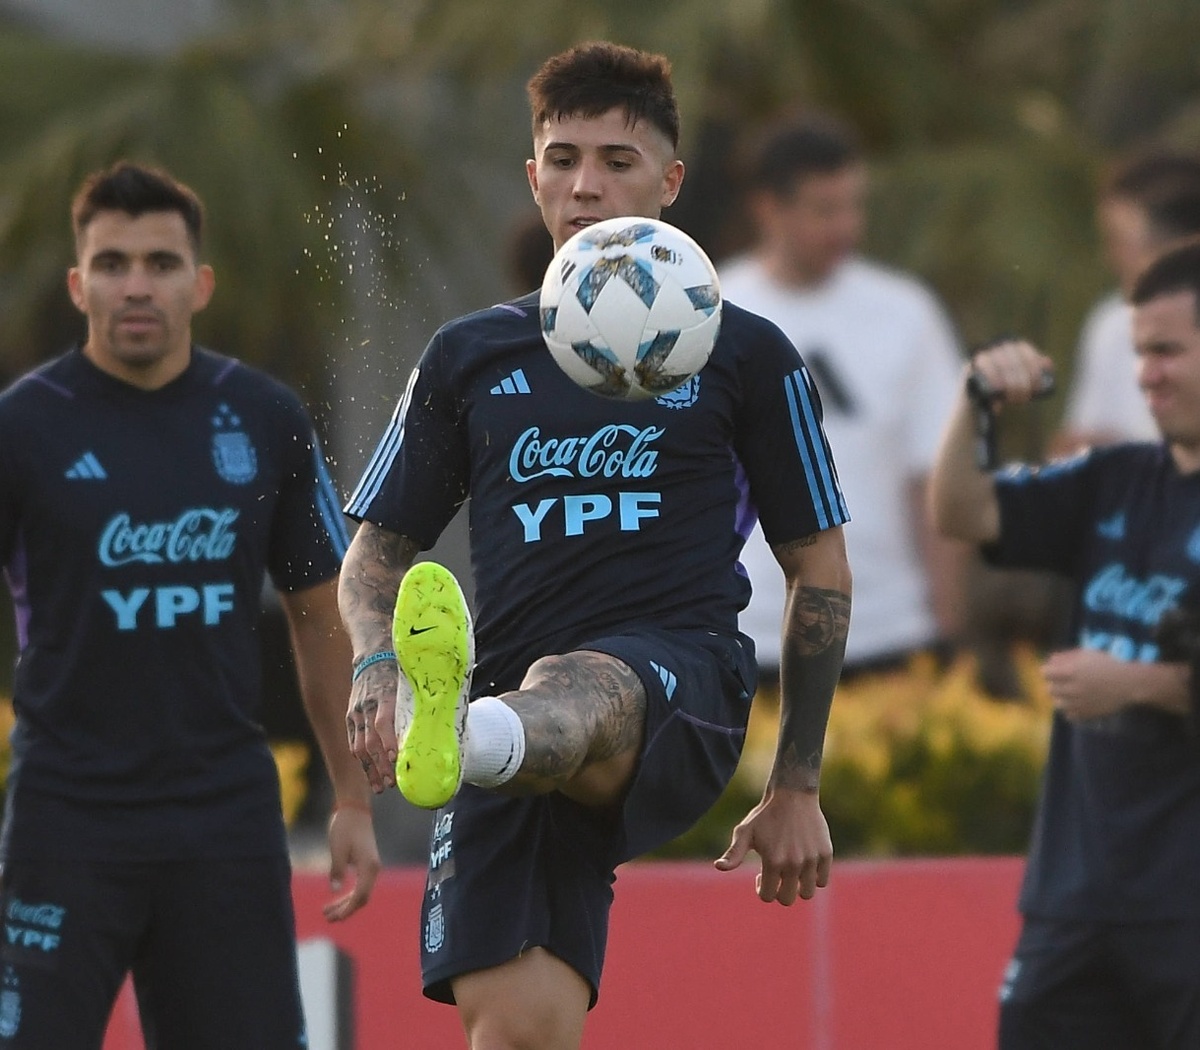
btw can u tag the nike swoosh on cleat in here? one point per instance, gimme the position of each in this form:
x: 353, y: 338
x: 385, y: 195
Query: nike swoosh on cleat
x: 419, y: 630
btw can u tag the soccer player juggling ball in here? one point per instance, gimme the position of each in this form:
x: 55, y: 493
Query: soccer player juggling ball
x: 610, y: 698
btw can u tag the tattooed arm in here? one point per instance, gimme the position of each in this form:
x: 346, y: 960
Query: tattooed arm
x: 374, y: 565
x: 787, y: 828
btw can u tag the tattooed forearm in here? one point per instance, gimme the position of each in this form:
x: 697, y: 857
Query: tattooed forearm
x: 814, y: 642
x: 371, y: 572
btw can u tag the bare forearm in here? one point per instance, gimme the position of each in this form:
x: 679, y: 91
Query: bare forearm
x: 1162, y: 686
x: 816, y: 621
x: 371, y: 573
x: 945, y: 562
x: 322, y: 656
x: 962, y: 496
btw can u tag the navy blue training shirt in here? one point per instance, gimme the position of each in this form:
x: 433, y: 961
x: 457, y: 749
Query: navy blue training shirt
x: 589, y: 516
x: 135, y: 529
x: 1117, y: 835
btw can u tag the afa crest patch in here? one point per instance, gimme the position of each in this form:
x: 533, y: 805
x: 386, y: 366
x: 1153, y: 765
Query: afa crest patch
x: 682, y: 396
x: 10, y: 1005
x: 435, y: 929
x: 233, y: 453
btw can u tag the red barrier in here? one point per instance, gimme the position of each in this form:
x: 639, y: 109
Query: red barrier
x: 905, y: 955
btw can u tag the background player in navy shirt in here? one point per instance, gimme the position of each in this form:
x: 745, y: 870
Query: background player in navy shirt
x: 612, y: 686
x: 1109, y: 955
x: 146, y: 486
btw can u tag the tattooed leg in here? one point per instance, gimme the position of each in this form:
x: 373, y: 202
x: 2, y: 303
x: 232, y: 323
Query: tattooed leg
x: 584, y: 715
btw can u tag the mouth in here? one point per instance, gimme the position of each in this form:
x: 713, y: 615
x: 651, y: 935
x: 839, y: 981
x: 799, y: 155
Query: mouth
x: 140, y: 321
x: 1156, y: 401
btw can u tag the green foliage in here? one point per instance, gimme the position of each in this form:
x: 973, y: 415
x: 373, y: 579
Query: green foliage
x: 277, y: 138
x: 916, y: 763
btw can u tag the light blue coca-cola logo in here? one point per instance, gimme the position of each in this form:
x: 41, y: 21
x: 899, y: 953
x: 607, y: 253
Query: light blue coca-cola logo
x: 198, y: 534
x: 615, y: 450
x: 1113, y: 590
x: 48, y: 915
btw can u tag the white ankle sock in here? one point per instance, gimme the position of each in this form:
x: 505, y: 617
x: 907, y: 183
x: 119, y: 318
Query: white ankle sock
x: 494, y: 743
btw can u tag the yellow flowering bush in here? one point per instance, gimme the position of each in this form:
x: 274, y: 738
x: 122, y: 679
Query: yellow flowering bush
x: 291, y: 760
x: 919, y: 761
x: 7, y: 720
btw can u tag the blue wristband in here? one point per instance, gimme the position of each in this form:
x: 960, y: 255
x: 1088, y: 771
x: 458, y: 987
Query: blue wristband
x: 366, y: 662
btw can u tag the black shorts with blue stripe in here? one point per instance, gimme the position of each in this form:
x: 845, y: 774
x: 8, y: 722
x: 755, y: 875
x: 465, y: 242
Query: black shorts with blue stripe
x: 507, y: 874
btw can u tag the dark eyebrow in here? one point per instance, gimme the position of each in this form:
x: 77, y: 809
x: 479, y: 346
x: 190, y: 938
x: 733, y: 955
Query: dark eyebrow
x: 162, y: 255
x: 610, y: 147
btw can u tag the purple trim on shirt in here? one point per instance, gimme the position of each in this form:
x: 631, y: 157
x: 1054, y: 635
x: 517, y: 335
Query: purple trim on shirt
x: 16, y: 573
x: 746, y: 515
x: 39, y: 378
x: 512, y: 309
x: 702, y: 723
x: 221, y: 375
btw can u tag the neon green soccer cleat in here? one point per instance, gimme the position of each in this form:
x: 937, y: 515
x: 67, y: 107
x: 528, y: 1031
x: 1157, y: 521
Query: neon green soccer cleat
x: 435, y: 647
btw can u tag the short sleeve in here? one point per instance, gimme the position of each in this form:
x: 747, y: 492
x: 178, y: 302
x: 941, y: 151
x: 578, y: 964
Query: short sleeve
x: 781, y: 443
x: 1042, y: 514
x: 308, y: 532
x: 419, y: 474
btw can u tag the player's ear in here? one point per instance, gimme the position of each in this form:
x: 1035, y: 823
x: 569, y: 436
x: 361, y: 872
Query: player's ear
x: 672, y: 181
x: 531, y: 174
x: 206, y: 281
x: 75, y: 288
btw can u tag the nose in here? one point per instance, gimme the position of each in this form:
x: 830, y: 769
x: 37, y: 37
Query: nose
x: 137, y: 283
x: 588, y: 180
x: 1149, y: 370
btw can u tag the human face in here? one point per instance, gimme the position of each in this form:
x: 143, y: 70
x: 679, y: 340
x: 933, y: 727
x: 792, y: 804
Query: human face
x: 138, y: 283
x: 807, y: 233
x: 1125, y: 237
x: 587, y: 169
x: 1167, y: 339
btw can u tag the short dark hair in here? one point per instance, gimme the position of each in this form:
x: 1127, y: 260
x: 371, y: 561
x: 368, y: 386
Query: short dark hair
x: 590, y: 79
x: 136, y: 189
x: 812, y: 144
x: 1178, y: 270
x: 1165, y: 184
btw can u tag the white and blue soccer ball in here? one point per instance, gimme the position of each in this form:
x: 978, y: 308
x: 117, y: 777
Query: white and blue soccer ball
x: 631, y: 308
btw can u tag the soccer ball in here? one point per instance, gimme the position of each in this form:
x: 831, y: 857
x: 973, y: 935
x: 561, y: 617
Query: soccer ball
x: 630, y: 308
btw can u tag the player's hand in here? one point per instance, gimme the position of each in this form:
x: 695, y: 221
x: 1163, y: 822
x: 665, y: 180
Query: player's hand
x: 351, y: 846
x: 371, y: 723
x: 788, y: 831
x: 1011, y: 371
x: 1086, y: 683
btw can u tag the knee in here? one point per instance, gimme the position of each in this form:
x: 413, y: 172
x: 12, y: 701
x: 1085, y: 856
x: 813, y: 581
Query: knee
x: 532, y: 1027
x: 495, y: 1033
x: 554, y: 668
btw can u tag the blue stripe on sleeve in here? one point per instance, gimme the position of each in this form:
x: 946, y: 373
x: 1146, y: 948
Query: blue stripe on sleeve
x: 827, y: 498
x: 385, y: 454
x: 329, y: 506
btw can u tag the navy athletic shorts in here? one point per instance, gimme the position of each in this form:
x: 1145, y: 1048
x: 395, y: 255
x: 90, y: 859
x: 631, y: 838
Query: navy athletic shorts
x: 211, y: 946
x: 1103, y: 986
x: 507, y: 874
